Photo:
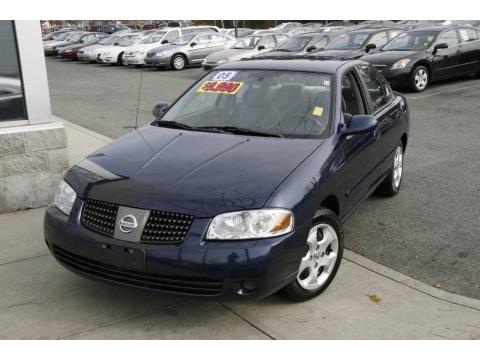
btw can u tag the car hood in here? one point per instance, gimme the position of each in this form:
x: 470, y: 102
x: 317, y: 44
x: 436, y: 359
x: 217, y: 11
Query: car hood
x: 231, y: 54
x: 92, y: 47
x: 111, y: 49
x: 198, y: 173
x: 143, y: 47
x: 56, y: 43
x: 389, y: 57
x: 348, y: 54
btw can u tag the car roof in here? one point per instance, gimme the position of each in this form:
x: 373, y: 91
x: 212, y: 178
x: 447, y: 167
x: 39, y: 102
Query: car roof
x: 289, y: 63
x: 368, y: 30
x: 436, y: 28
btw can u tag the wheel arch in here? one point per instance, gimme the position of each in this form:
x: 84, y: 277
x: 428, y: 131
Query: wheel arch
x: 331, y: 203
x: 404, y: 140
x: 425, y: 63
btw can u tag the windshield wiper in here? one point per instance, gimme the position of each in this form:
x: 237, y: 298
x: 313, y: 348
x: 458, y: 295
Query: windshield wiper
x: 173, y: 125
x: 239, y: 131
x: 286, y: 50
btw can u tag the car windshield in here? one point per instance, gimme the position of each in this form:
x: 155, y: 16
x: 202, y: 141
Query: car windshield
x: 62, y: 36
x: 268, y: 102
x: 103, y: 41
x: 183, y: 40
x: 417, y: 40
x: 248, y: 42
x: 111, y: 40
x: 297, y: 43
x: 76, y: 37
x: 152, y: 38
x: 128, y: 40
x: 347, y: 41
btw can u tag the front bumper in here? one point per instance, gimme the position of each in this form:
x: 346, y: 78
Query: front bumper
x: 209, y: 66
x: 50, y: 52
x: 87, y: 56
x: 157, y: 61
x: 196, y: 268
x: 106, y: 59
x: 133, y: 59
x: 396, y: 78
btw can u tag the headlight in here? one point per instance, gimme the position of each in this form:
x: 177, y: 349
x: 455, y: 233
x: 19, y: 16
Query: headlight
x: 64, y: 197
x: 251, y: 224
x: 107, y: 54
x: 160, y: 54
x: 400, y: 64
x: 223, y: 61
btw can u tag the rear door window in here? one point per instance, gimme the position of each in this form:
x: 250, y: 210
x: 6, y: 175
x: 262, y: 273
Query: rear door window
x: 377, y: 88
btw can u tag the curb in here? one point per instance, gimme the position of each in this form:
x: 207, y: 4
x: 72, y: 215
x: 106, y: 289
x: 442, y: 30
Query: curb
x: 414, y: 284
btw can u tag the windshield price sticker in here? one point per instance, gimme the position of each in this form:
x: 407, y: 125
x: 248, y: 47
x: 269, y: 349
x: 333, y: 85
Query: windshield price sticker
x: 225, y: 75
x: 220, y: 87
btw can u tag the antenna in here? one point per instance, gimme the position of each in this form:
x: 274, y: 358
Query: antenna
x: 138, y: 99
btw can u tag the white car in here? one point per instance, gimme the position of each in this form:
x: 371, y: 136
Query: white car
x: 135, y: 54
x: 113, y: 54
x: 89, y: 53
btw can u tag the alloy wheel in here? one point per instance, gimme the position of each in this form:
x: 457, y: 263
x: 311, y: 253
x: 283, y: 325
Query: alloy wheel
x: 397, y: 167
x: 178, y: 62
x: 421, y: 79
x: 318, y: 264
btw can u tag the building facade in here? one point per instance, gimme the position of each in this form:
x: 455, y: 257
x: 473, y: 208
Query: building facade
x: 33, y: 144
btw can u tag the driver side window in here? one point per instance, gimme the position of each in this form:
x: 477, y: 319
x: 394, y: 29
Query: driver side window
x: 379, y: 39
x: 352, y: 103
x: 449, y: 37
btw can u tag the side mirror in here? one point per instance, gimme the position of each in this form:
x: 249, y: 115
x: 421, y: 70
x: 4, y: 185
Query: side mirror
x: 164, y: 41
x: 115, y: 44
x: 261, y: 47
x: 159, y: 109
x: 370, y: 47
x: 311, y: 48
x: 439, y: 46
x: 193, y: 44
x: 360, y: 124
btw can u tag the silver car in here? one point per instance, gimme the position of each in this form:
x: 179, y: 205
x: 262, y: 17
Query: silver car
x: 244, y: 47
x: 190, y: 49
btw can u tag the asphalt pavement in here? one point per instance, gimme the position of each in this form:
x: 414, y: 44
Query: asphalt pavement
x: 429, y: 231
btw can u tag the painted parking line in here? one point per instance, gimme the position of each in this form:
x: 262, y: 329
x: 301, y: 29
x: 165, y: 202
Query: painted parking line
x: 449, y: 90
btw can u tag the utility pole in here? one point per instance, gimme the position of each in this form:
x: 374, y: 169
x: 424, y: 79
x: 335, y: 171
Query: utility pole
x: 235, y: 24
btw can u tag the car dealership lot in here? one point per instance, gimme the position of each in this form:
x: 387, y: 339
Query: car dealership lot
x: 427, y: 232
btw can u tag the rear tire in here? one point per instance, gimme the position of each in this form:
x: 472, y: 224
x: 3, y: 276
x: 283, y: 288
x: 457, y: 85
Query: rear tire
x: 320, y: 265
x: 420, y: 78
x: 178, y: 62
x: 391, y: 185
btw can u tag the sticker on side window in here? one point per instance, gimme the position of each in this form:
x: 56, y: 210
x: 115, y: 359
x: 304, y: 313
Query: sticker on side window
x: 225, y: 75
x: 220, y: 87
x: 317, y: 111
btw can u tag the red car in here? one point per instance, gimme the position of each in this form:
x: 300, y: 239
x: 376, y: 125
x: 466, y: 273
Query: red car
x: 70, y: 52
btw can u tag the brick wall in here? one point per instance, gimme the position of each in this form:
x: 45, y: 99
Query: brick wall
x: 33, y: 159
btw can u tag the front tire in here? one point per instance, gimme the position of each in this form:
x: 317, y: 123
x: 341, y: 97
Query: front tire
x: 120, y: 59
x: 178, y: 62
x: 391, y: 185
x: 322, y: 260
x: 419, y: 79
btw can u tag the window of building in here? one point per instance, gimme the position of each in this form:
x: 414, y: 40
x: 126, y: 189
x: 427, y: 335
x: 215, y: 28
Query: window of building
x: 12, y: 104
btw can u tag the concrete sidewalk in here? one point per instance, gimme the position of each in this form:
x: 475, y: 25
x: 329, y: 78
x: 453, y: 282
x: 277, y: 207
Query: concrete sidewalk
x: 40, y: 299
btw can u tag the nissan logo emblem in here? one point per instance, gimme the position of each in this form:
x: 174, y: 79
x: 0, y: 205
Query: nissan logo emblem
x: 127, y: 224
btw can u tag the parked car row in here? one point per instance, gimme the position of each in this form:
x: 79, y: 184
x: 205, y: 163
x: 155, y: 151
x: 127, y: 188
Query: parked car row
x: 410, y: 54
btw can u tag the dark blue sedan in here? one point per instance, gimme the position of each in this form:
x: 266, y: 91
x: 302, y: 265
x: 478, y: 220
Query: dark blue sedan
x: 238, y: 189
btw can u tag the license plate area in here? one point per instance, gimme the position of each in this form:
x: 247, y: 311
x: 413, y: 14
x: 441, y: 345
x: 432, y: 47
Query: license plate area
x: 122, y: 256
